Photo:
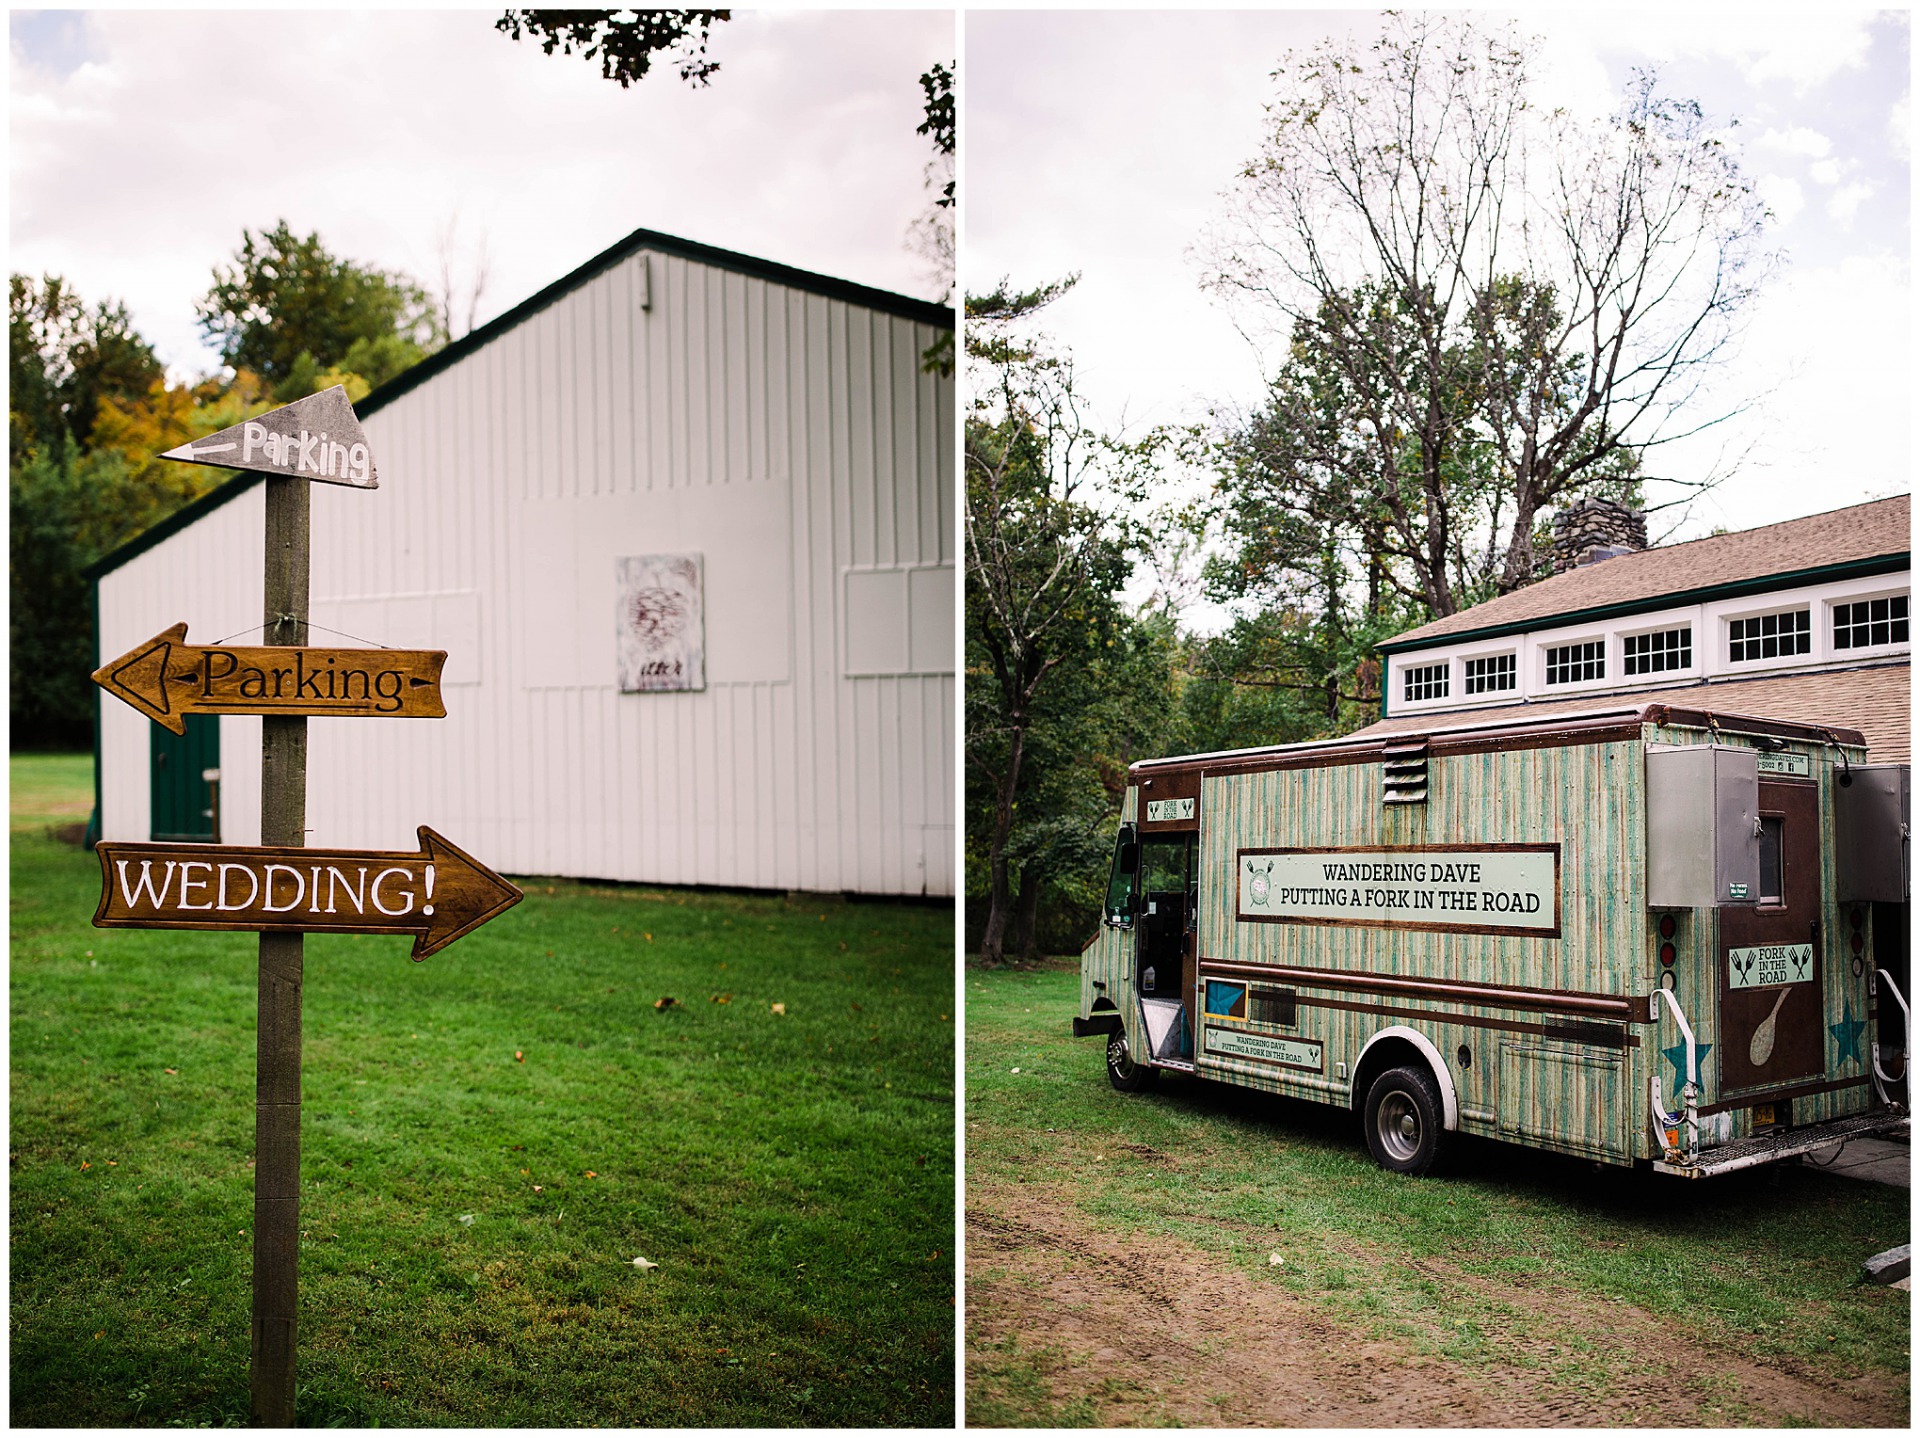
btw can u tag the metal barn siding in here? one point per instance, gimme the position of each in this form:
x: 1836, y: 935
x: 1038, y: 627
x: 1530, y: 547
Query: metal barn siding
x: 209, y: 576
x: 662, y: 404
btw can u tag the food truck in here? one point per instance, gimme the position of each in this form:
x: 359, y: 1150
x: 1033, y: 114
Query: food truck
x: 1635, y: 935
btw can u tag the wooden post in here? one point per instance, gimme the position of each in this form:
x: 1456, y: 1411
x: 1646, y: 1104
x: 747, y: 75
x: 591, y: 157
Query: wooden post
x: 283, y: 821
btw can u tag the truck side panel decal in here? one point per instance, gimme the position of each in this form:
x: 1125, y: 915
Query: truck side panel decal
x: 1267, y: 1048
x: 1460, y: 888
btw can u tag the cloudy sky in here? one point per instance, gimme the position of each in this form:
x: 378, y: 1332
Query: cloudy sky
x: 1102, y: 141
x: 144, y: 141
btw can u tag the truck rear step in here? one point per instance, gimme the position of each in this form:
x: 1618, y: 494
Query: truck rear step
x: 1789, y: 1143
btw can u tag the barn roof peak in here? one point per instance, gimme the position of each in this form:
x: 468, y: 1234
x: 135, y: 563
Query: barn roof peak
x: 641, y: 241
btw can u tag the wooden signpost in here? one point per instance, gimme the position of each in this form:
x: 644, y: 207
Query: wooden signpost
x: 282, y: 888
x: 167, y: 679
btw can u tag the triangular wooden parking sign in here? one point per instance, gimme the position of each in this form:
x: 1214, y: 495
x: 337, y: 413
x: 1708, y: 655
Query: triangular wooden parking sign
x: 318, y: 437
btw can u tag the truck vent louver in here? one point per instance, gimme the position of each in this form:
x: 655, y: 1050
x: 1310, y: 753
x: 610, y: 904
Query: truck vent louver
x: 1405, y: 769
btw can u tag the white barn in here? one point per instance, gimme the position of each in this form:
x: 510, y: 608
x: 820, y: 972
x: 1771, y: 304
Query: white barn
x: 665, y: 402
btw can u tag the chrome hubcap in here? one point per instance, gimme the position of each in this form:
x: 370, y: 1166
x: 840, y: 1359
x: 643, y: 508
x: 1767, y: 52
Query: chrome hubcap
x: 1398, y: 1126
x: 1117, y: 1054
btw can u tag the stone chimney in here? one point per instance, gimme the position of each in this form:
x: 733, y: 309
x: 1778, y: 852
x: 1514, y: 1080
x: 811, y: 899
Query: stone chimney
x: 1590, y: 530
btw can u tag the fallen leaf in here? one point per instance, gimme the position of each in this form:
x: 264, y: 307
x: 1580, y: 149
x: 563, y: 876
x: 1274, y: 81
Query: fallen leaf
x: 1274, y: 1260
x: 649, y: 938
x: 519, y: 1057
x: 665, y: 1003
x: 538, y: 1189
x: 85, y: 1164
x: 643, y: 1265
x: 592, y: 1174
x: 779, y: 1008
x: 113, y: 1163
x: 173, y: 1071
x: 467, y: 1219
x: 1016, y: 1070
x: 723, y: 998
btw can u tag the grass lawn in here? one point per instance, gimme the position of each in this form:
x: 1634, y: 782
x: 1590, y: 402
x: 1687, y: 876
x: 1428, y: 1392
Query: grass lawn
x: 490, y: 1138
x: 1761, y: 1265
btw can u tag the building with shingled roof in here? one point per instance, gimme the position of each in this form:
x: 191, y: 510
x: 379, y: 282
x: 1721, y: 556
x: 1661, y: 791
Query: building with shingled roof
x: 1805, y: 621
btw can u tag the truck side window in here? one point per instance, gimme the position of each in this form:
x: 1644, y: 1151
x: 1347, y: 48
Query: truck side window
x: 1126, y: 859
x: 1772, y: 828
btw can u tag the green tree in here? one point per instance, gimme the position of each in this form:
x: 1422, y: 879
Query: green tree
x: 1047, y: 551
x: 89, y: 413
x: 1496, y: 305
x: 63, y: 360
x: 626, y: 42
x: 931, y: 236
x: 289, y: 311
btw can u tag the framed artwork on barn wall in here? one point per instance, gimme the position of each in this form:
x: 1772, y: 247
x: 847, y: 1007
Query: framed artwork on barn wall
x: 660, y: 623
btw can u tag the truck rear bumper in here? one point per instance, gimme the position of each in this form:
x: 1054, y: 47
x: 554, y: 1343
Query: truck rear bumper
x: 1770, y: 1148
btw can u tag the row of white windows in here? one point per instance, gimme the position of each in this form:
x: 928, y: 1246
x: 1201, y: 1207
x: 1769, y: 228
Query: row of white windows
x: 1865, y: 624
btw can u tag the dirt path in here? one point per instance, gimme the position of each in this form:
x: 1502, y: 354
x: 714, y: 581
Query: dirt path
x: 1172, y: 1335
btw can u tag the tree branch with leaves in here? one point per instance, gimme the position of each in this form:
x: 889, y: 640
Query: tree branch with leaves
x: 1491, y: 307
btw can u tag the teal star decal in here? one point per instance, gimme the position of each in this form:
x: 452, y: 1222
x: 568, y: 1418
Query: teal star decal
x: 1677, y: 1056
x: 1846, y: 1036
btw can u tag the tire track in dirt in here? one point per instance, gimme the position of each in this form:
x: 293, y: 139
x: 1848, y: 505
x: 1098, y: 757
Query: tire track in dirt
x: 1159, y: 1331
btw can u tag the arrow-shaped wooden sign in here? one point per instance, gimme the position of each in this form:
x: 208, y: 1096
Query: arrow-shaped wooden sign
x: 318, y: 437
x: 438, y: 895
x: 167, y: 679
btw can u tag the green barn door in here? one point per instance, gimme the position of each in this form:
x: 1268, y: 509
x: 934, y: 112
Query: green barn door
x: 183, y: 798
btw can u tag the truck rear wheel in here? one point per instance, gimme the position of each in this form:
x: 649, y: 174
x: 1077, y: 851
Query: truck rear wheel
x: 1404, y: 1122
x: 1122, y: 1072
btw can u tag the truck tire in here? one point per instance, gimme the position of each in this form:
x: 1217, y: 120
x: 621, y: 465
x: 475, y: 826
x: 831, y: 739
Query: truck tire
x: 1122, y: 1072
x: 1404, y: 1122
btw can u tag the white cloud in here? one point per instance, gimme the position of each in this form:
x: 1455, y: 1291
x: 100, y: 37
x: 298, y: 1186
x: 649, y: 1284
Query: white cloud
x: 1899, y: 128
x: 1797, y: 141
x: 1827, y: 357
x: 1846, y: 201
x: 1781, y: 195
x: 1824, y: 172
x: 1803, y: 47
x: 375, y: 127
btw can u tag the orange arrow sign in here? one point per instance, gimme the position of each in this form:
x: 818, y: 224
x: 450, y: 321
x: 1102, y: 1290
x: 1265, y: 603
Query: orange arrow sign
x: 438, y: 895
x: 167, y: 679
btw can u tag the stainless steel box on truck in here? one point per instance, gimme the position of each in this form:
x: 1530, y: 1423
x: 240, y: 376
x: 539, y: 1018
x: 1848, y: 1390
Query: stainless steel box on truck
x: 1703, y: 826
x: 1871, y: 816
